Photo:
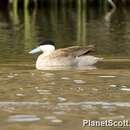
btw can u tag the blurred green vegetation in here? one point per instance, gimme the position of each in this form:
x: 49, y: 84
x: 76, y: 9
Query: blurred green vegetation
x: 45, y: 3
x: 80, y: 22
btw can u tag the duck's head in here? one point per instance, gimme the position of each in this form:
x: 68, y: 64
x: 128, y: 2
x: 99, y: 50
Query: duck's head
x: 46, y: 46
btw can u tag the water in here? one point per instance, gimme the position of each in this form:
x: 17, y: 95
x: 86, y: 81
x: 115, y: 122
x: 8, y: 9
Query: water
x: 61, y: 99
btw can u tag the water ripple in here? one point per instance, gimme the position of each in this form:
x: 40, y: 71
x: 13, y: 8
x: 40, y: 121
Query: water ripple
x: 22, y: 104
x: 64, y: 104
x: 117, y: 104
x: 23, y: 118
x: 125, y: 89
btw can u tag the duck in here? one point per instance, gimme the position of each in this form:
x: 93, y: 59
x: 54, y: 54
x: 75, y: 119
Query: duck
x: 69, y: 56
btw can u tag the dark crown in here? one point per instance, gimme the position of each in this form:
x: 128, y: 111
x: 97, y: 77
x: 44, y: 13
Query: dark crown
x: 46, y: 42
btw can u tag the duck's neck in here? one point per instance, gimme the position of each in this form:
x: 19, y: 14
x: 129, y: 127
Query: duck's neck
x: 48, y: 49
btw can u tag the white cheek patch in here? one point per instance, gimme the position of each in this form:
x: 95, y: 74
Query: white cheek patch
x: 47, y: 48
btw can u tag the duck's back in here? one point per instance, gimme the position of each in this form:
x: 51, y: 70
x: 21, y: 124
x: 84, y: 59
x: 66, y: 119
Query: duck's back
x: 74, y: 51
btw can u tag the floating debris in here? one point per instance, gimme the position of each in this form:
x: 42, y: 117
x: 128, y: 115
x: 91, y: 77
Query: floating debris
x: 65, y: 78
x: 36, y: 87
x: 113, y: 85
x: 43, y: 91
x: 45, y: 99
x: 94, y: 89
x: 53, y: 119
x: 32, y: 74
x: 21, y: 88
x: 61, y: 99
x: 52, y: 83
x: 80, y: 89
x: 109, y: 108
x: 49, y: 74
x: 88, y: 107
x: 50, y: 117
x: 10, y: 76
x: 15, y: 74
x: 124, y: 86
x: 125, y: 89
x: 23, y: 118
x: 107, y: 76
x: 120, y: 117
x: 39, y: 90
x: 59, y: 113
x: 56, y: 121
x: 19, y: 94
x: 79, y: 81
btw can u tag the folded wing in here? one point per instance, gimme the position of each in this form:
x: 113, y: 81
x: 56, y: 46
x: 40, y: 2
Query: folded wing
x: 74, y: 51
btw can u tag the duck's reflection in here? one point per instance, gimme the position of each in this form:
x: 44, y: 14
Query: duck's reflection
x: 109, y: 15
x: 70, y: 68
x: 111, y: 12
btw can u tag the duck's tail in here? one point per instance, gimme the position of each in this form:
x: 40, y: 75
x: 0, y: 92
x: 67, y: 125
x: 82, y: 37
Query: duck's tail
x: 99, y: 59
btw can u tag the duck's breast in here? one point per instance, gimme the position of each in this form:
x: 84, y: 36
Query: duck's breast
x: 44, y: 61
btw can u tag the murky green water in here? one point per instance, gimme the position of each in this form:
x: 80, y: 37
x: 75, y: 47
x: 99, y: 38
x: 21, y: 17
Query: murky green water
x: 61, y: 99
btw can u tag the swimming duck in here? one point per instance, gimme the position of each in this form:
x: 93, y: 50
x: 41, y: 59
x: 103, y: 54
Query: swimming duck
x: 70, y: 56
